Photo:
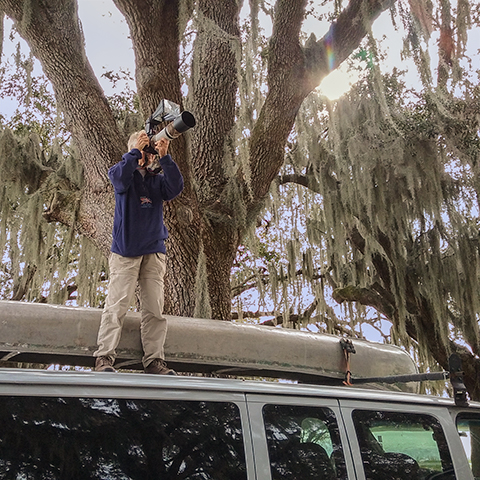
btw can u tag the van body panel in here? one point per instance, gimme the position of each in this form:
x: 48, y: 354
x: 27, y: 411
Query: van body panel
x: 64, y: 409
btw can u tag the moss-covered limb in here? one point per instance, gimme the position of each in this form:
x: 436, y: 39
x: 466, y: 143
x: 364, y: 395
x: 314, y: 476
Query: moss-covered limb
x: 293, y: 318
x: 285, y: 52
x: 41, y: 185
x: 249, y: 283
x: 62, y: 196
x: 365, y: 296
x: 383, y: 270
x: 324, y: 323
x: 157, y: 59
x: 292, y: 74
x: 62, y: 207
x: 287, y: 90
x: 22, y: 161
x: 308, y: 181
x: 252, y: 281
x: 54, y: 35
x: 381, y: 264
x: 23, y: 283
x: 421, y: 328
x: 26, y: 172
x: 429, y: 339
x: 216, y: 67
x: 343, y: 37
x: 471, y: 370
x: 416, y: 298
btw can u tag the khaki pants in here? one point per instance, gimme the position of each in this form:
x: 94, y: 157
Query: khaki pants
x: 149, y: 271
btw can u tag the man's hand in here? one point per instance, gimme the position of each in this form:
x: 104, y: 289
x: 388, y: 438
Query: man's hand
x: 142, y: 141
x: 162, y: 146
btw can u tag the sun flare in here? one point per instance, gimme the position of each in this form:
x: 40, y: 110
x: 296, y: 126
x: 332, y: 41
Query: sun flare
x: 335, y: 84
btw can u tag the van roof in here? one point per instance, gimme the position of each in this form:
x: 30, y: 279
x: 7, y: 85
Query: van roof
x: 33, y: 382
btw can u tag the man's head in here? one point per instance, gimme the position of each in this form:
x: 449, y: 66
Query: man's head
x: 133, y: 142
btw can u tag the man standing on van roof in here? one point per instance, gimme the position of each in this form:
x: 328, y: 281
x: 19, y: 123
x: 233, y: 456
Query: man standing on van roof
x: 138, y: 251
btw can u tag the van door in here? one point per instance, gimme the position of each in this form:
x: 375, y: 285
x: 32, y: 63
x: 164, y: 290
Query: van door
x: 299, y: 438
x: 404, y: 441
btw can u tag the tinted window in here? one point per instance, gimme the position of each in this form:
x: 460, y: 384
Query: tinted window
x: 71, y: 438
x: 468, y: 427
x: 303, y: 443
x: 402, y: 446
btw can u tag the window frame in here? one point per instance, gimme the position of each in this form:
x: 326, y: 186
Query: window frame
x: 256, y: 402
x: 130, y: 392
x: 465, y: 415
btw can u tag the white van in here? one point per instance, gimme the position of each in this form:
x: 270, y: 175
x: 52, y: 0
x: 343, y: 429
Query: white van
x: 75, y: 425
x: 90, y: 425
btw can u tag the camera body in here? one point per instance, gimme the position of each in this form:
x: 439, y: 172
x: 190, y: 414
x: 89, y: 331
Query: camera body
x: 165, y: 112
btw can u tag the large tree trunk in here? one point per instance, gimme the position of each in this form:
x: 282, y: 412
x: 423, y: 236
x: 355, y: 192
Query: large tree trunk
x: 220, y: 199
x: 154, y: 27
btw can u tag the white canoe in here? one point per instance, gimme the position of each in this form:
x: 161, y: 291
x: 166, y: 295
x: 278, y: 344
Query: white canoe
x: 50, y: 334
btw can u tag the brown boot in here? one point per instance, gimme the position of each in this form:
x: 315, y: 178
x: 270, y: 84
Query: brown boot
x: 104, y: 364
x: 159, y: 367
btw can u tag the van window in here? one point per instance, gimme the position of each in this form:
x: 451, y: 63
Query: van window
x: 402, y: 446
x: 303, y: 443
x: 468, y: 426
x: 107, y: 438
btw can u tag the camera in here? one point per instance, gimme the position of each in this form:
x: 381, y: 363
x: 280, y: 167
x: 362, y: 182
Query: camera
x: 167, y: 111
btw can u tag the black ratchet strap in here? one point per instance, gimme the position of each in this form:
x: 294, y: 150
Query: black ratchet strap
x: 348, y: 349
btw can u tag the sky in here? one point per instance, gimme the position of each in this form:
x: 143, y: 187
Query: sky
x: 109, y: 48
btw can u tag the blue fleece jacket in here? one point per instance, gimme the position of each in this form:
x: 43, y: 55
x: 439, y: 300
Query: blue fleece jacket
x: 138, y: 227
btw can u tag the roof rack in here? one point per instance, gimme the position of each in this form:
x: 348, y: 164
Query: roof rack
x: 455, y: 376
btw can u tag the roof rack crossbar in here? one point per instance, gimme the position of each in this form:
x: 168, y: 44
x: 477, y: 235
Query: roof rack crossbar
x: 9, y: 356
x: 455, y: 374
x: 415, y: 377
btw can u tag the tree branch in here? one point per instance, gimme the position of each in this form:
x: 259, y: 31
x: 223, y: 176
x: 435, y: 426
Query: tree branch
x: 54, y: 35
x: 342, y: 38
x: 365, y: 296
x: 294, y: 318
x: 294, y: 72
x: 248, y: 284
x: 307, y: 181
x: 53, y: 32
